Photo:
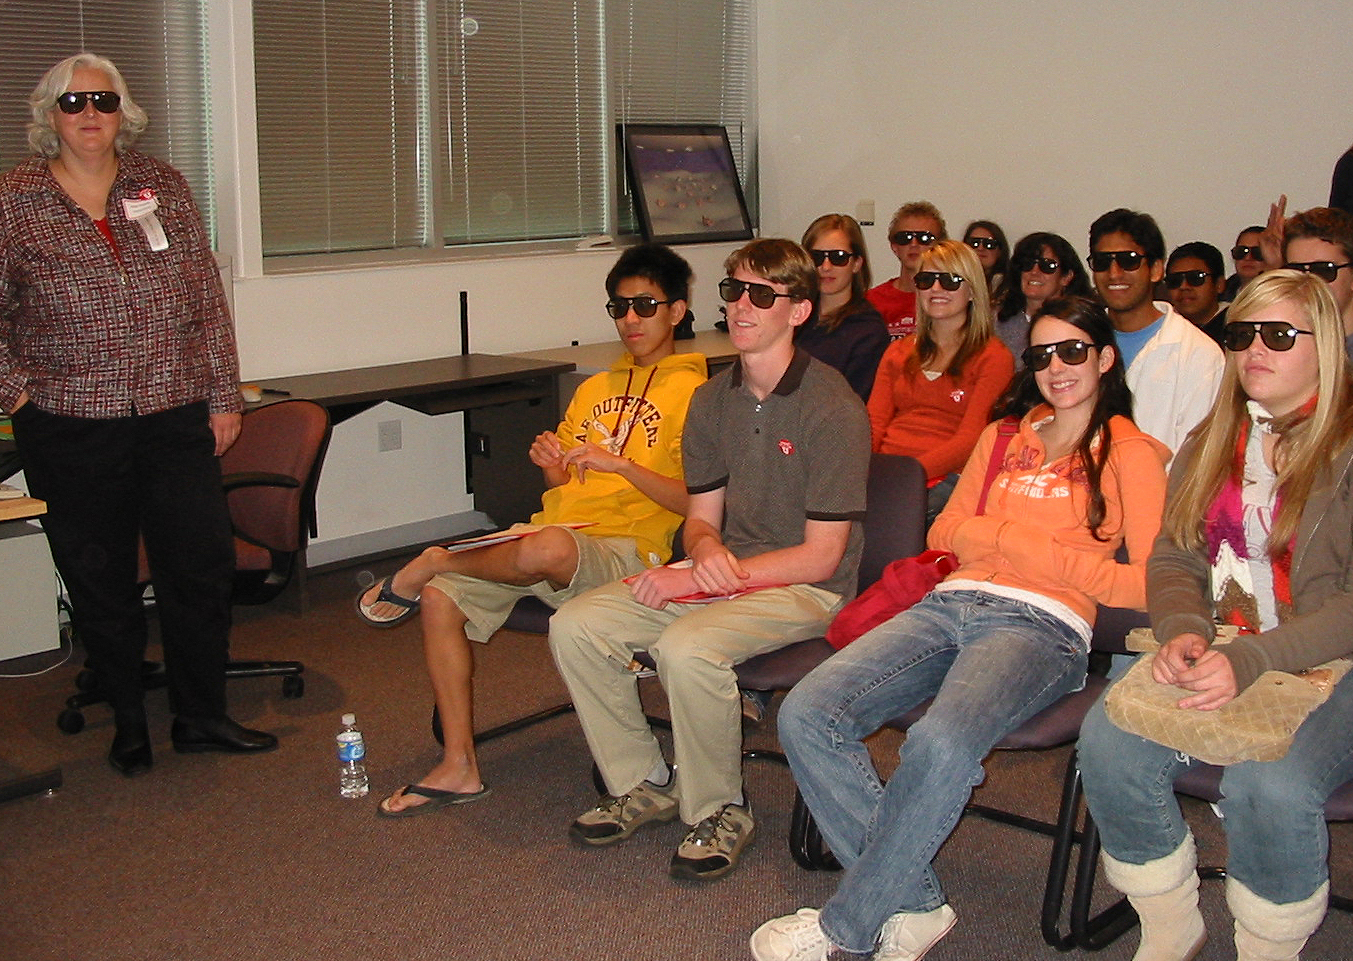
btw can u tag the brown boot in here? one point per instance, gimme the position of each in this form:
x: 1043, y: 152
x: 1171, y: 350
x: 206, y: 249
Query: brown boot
x: 1164, y: 893
x: 1273, y: 932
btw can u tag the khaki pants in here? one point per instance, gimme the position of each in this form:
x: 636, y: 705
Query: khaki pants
x: 594, y: 637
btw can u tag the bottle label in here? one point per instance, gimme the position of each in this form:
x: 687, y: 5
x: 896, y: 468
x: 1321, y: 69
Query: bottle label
x: 351, y: 747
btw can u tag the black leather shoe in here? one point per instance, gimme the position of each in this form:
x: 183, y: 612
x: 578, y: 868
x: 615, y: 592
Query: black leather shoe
x: 130, y: 753
x: 196, y: 735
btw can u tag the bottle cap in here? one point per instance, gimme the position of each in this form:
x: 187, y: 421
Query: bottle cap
x: 349, y: 720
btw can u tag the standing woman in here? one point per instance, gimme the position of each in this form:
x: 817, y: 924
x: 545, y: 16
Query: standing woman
x: 847, y: 332
x: 1043, y: 267
x: 987, y: 240
x: 934, y: 390
x: 118, y: 367
x: 1004, y: 636
x: 1256, y: 534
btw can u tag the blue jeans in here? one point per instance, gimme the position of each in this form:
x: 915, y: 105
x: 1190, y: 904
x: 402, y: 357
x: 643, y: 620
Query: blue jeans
x: 1276, y: 837
x: 990, y: 664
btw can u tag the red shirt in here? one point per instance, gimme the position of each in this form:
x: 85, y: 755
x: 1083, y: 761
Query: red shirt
x: 936, y: 421
x: 898, y: 307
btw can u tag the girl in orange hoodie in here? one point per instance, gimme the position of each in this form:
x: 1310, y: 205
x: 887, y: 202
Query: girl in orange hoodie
x: 1001, y: 638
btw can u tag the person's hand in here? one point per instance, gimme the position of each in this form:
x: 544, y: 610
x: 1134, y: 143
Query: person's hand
x: 23, y: 399
x: 590, y: 456
x: 1187, y: 662
x: 1271, y: 240
x: 1176, y: 656
x: 658, y: 585
x: 716, y: 570
x: 226, y: 427
x: 546, y: 451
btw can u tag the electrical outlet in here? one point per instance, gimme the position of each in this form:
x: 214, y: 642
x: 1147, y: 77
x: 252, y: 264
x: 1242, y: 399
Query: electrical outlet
x: 389, y: 435
x: 864, y: 212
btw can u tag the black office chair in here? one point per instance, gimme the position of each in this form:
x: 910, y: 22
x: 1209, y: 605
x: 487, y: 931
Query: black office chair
x: 1093, y: 932
x: 270, y: 475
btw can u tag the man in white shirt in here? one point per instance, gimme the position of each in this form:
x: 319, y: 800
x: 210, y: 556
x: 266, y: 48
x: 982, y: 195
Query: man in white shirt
x: 1173, y: 368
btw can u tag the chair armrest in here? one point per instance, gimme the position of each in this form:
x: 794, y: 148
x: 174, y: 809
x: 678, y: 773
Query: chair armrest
x: 256, y: 479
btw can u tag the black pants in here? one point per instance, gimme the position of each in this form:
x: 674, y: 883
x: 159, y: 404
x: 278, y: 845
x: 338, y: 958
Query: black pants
x: 106, y: 482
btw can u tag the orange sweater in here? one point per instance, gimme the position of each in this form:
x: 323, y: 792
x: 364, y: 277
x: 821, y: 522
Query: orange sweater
x: 936, y: 421
x: 1033, y: 535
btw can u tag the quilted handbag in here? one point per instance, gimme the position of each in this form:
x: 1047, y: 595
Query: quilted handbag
x: 1256, y: 725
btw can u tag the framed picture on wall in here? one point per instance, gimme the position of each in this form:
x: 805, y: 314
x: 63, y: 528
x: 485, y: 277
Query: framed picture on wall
x: 684, y: 183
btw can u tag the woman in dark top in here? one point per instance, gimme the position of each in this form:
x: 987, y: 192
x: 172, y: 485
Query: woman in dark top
x: 987, y: 240
x: 1043, y: 267
x: 847, y: 332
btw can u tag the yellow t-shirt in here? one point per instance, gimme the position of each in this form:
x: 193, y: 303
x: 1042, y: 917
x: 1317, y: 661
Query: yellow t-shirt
x: 638, y: 412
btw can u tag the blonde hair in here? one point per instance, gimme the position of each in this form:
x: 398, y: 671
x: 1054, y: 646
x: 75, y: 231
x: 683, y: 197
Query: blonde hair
x: 42, y: 136
x: 1304, y: 444
x: 955, y: 257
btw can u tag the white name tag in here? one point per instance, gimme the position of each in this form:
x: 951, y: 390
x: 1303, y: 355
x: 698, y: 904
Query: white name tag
x: 141, y: 211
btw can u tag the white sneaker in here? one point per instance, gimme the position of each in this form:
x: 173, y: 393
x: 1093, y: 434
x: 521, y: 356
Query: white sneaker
x: 794, y: 937
x: 908, y: 936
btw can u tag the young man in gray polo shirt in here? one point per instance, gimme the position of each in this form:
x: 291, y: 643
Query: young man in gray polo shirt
x: 775, y: 453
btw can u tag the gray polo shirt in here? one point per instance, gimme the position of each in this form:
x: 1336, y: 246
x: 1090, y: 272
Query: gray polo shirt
x: 801, y: 454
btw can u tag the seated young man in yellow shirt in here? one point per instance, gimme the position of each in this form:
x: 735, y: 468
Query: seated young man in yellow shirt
x: 614, y: 463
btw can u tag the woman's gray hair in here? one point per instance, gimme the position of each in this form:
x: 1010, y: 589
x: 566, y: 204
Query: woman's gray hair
x: 42, y: 136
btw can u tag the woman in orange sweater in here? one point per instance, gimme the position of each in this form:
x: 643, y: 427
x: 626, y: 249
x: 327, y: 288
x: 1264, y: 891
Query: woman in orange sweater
x: 934, y: 391
x: 1000, y: 639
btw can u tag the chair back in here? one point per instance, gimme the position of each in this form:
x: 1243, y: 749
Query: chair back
x: 286, y: 440
x: 894, y: 523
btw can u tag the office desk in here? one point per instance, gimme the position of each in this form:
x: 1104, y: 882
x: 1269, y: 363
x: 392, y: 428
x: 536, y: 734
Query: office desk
x: 507, y: 401
x: 589, y: 359
x: 12, y: 510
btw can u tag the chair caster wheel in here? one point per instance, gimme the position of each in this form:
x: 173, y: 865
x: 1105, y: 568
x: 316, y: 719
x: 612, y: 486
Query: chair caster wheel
x: 293, y: 686
x: 70, y: 721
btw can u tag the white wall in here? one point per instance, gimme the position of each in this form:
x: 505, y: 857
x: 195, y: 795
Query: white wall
x: 1041, y: 116
x: 1038, y: 115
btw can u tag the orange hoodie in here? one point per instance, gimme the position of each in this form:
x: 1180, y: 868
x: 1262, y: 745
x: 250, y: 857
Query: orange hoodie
x: 1033, y: 535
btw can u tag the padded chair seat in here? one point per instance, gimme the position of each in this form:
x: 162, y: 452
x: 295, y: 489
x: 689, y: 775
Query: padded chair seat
x: 1057, y: 724
x: 775, y: 670
x: 1203, y: 781
x: 531, y: 615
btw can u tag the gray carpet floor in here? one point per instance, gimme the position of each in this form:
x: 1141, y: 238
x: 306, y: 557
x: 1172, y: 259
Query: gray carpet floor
x: 211, y: 858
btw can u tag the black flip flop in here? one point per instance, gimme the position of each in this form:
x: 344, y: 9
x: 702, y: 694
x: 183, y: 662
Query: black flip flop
x: 436, y: 798
x: 387, y: 596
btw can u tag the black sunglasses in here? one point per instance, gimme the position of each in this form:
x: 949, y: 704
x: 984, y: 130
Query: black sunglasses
x: 904, y: 237
x: 644, y: 306
x: 1194, y: 278
x: 1070, y: 352
x: 73, y: 101
x: 1246, y: 252
x: 925, y: 279
x: 983, y: 243
x: 761, y: 295
x: 1126, y: 259
x: 1047, y: 265
x: 1276, y: 334
x: 1326, y: 270
x: 838, y: 258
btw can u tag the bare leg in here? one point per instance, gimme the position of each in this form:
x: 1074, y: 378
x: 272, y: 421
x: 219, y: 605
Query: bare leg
x: 550, y: 555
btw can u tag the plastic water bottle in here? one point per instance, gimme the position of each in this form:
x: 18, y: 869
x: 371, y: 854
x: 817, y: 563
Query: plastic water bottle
x: 352, y: 780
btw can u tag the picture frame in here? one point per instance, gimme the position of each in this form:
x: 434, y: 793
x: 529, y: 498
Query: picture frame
x: 684, y: 183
